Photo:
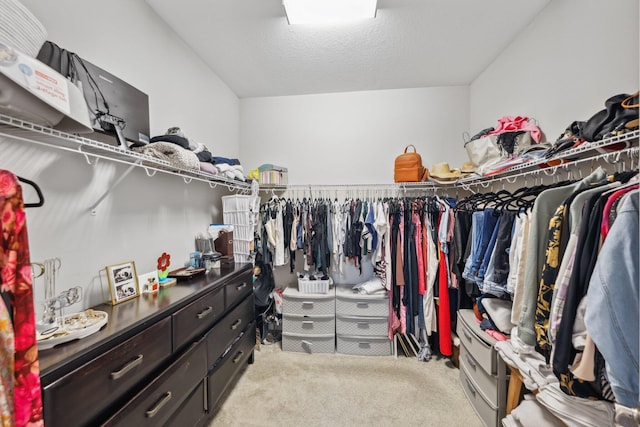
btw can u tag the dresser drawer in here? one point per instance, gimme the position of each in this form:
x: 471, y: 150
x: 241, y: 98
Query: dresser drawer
x: 489, y: 385
x: 82, y: 395
x: 227, y: 367
x: 237, y: 290
x: 223, y: 334
x: 192, y: 411
x: 157, y: 402
x: 303, y: 324
x: 350, y: 304
x: 485, y: 410
x: 364, y: 346
x: 481, y: 350
x: 197, y: 317
x: 362, y: 326
x: 308, y: 304
x: 312, y: 344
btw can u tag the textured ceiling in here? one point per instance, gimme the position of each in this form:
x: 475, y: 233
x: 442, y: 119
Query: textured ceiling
x: 411, y: 43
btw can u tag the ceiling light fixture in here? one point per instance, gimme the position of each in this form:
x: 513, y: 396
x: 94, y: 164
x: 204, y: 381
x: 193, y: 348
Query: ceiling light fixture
x: 328, y: 11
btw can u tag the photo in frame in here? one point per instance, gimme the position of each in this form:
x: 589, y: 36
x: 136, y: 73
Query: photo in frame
x: 123, y: 282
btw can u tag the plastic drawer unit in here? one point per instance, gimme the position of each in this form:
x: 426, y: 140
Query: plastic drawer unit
x: 362, y: 323
x: 482, y: 372
x: 308, y: 322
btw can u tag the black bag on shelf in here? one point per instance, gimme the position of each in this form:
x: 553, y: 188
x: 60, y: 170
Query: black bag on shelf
x: 620, y: 111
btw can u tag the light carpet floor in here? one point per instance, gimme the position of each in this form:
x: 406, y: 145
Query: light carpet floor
x: 294, y: 389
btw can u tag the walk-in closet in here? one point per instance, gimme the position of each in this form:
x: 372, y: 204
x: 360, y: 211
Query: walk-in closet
x: 226, y: 213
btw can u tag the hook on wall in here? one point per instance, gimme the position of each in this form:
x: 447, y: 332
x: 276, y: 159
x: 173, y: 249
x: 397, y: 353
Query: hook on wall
x: 150, y: 173
x: 86, y: 157
x: 187, y: 179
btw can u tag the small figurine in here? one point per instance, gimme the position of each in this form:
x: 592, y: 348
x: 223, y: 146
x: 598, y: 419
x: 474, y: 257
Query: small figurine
x: 163, y: 270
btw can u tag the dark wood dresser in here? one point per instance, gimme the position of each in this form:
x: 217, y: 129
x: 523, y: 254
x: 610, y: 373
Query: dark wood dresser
x: 163, y: 359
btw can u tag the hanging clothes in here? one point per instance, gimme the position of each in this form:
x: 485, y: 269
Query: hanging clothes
x: 22, y: 400
x: 444, y: 314
x: 543, y: 209
x: 612, y: 317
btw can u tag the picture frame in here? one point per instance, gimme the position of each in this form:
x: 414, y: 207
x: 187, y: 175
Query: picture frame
x: 123, y: 282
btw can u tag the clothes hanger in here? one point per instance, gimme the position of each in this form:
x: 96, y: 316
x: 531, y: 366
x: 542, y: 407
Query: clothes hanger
x: 35, y: 186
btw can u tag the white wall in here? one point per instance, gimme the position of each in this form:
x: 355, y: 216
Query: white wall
x: 143, y: 216
x: 574, y: 55
x: 353, y: 137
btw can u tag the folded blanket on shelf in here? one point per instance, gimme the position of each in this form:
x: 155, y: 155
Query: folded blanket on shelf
x: 172, y: 153
x: 231, y: 171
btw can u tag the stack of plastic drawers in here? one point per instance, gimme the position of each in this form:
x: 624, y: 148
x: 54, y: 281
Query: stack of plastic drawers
x: 482, y: 371
x: 241, y: 212
x: 362, y: 323
x: 308, y: 321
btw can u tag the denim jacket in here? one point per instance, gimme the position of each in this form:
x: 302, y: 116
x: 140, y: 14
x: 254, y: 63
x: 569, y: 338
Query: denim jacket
x: 612, y: 316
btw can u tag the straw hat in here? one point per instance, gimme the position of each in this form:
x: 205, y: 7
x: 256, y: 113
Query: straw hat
x: 467, y: 168
x: 441, y: 172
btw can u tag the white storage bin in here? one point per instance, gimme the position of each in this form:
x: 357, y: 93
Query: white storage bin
x: 352, y: 304
x: 237, y: 202
x: 317, y: 286
x: 303, y: 324
x: 364, y: 346
x: 362, y: 326
x: 489, y: 414
x: 295, y: 302
x: 312, y: 344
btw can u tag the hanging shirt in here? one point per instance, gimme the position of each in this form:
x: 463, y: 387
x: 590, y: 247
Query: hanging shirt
x: 279, y: 239
x: 428, y: 302
x: 612, y: 315
x: 543, y: 209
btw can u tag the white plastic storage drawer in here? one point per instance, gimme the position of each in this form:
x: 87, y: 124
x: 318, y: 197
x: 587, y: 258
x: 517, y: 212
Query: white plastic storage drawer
x: 312, y: 344
x: 490, y: 386
x: 350, y: 304
x: 364, y: 346
x: 487, y: 412
x: 303, y: 324
x: 362, y: 326
x: 295, y: 302
x: 480, y: 348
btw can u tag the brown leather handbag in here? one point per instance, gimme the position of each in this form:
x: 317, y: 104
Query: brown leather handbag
x: 408, y: 167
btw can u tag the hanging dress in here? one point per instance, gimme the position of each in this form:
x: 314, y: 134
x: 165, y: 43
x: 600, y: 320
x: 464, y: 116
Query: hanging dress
x: 16, y: 285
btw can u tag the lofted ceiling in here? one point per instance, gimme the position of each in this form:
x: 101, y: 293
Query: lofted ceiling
x: 411, y: 43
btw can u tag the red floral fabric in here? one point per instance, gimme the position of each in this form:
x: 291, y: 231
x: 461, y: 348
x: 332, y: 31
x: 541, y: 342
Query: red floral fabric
x: 16, y: 283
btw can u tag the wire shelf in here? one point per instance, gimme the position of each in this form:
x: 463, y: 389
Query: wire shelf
x: 21, y: 130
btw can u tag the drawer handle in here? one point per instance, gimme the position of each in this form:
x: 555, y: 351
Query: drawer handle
x: 241, y: 286
x: 362, y: 304
x: 153, y: 411
x: 204, y: 313
x: 307, y: 323
x: 126, y: 368
x: 363, y: 325
x: 471, y: 361
x: 472, y: 389
x: 236, y: 324
x: 466, y: 334
x: 364, y: 344
x: 238, y: 356
x: 307, y: 303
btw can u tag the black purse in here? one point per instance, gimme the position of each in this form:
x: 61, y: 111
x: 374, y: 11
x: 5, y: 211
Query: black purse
x: 615, y: 117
